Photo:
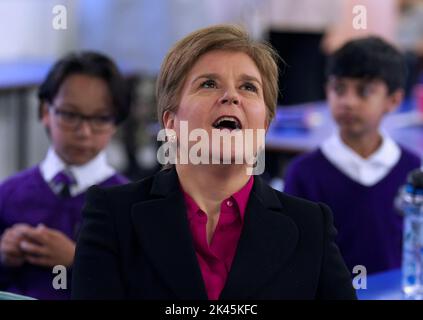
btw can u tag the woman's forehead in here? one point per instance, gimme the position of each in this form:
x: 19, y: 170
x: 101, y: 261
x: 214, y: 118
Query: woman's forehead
x: 223, y: 61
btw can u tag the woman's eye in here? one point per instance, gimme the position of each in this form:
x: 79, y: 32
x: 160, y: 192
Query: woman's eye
x: 208, y: 84
x: 249, y: 87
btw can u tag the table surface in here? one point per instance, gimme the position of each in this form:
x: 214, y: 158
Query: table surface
x: 382, y: 286
x: 22, y: 74
x: 302, y: 128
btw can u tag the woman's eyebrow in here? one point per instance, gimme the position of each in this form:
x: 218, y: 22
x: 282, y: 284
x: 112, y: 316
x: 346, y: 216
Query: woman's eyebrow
x: 246, y: 77
x: 207, y: 76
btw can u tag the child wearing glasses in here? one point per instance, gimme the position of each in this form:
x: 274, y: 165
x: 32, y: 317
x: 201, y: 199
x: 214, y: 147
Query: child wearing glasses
x: 82, y: 100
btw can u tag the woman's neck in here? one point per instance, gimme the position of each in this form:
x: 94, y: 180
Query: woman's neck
x: 209, y: 185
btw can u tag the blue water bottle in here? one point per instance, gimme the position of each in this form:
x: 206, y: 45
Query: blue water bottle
x: 410, y: 202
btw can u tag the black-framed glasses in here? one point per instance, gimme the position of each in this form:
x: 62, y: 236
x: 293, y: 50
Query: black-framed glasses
x: 72, y: 120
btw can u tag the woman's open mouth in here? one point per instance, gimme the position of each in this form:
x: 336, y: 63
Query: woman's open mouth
x: 227, y: 122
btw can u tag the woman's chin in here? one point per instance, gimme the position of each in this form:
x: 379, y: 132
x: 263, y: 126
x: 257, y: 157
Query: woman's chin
x: 227, y: 158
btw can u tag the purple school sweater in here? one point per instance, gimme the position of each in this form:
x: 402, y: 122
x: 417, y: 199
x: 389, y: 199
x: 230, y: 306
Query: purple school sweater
x: 369, y: 228
x: 27, y: 198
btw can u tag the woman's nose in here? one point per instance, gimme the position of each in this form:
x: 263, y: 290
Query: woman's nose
x: 230, y: 97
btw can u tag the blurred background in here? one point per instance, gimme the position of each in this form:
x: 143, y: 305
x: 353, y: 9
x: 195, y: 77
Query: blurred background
x: 138, y: 33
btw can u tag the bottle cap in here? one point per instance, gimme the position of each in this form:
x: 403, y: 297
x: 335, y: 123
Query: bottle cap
x: 415, y: 182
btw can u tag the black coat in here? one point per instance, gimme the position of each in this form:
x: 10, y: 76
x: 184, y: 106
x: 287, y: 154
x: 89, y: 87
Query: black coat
x: 135, y: 243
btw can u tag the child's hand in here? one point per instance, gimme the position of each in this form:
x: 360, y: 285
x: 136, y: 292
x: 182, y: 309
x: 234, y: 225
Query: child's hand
x: 11, y: 254
x: 47, y: 247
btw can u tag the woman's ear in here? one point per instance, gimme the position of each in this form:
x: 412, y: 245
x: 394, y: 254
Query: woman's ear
x: 169, y: 120
x: 267, y: 124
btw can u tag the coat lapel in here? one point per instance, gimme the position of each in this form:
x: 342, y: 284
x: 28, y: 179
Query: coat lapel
x: 267, y: 241
x: 163, y: 231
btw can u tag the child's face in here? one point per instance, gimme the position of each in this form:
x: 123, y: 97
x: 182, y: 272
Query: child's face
x: 76, y: 141
x: 358, y: 105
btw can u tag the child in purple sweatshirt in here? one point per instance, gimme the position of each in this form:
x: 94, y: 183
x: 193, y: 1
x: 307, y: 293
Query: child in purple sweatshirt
x: 359, y: 169
x: 82, y: 100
